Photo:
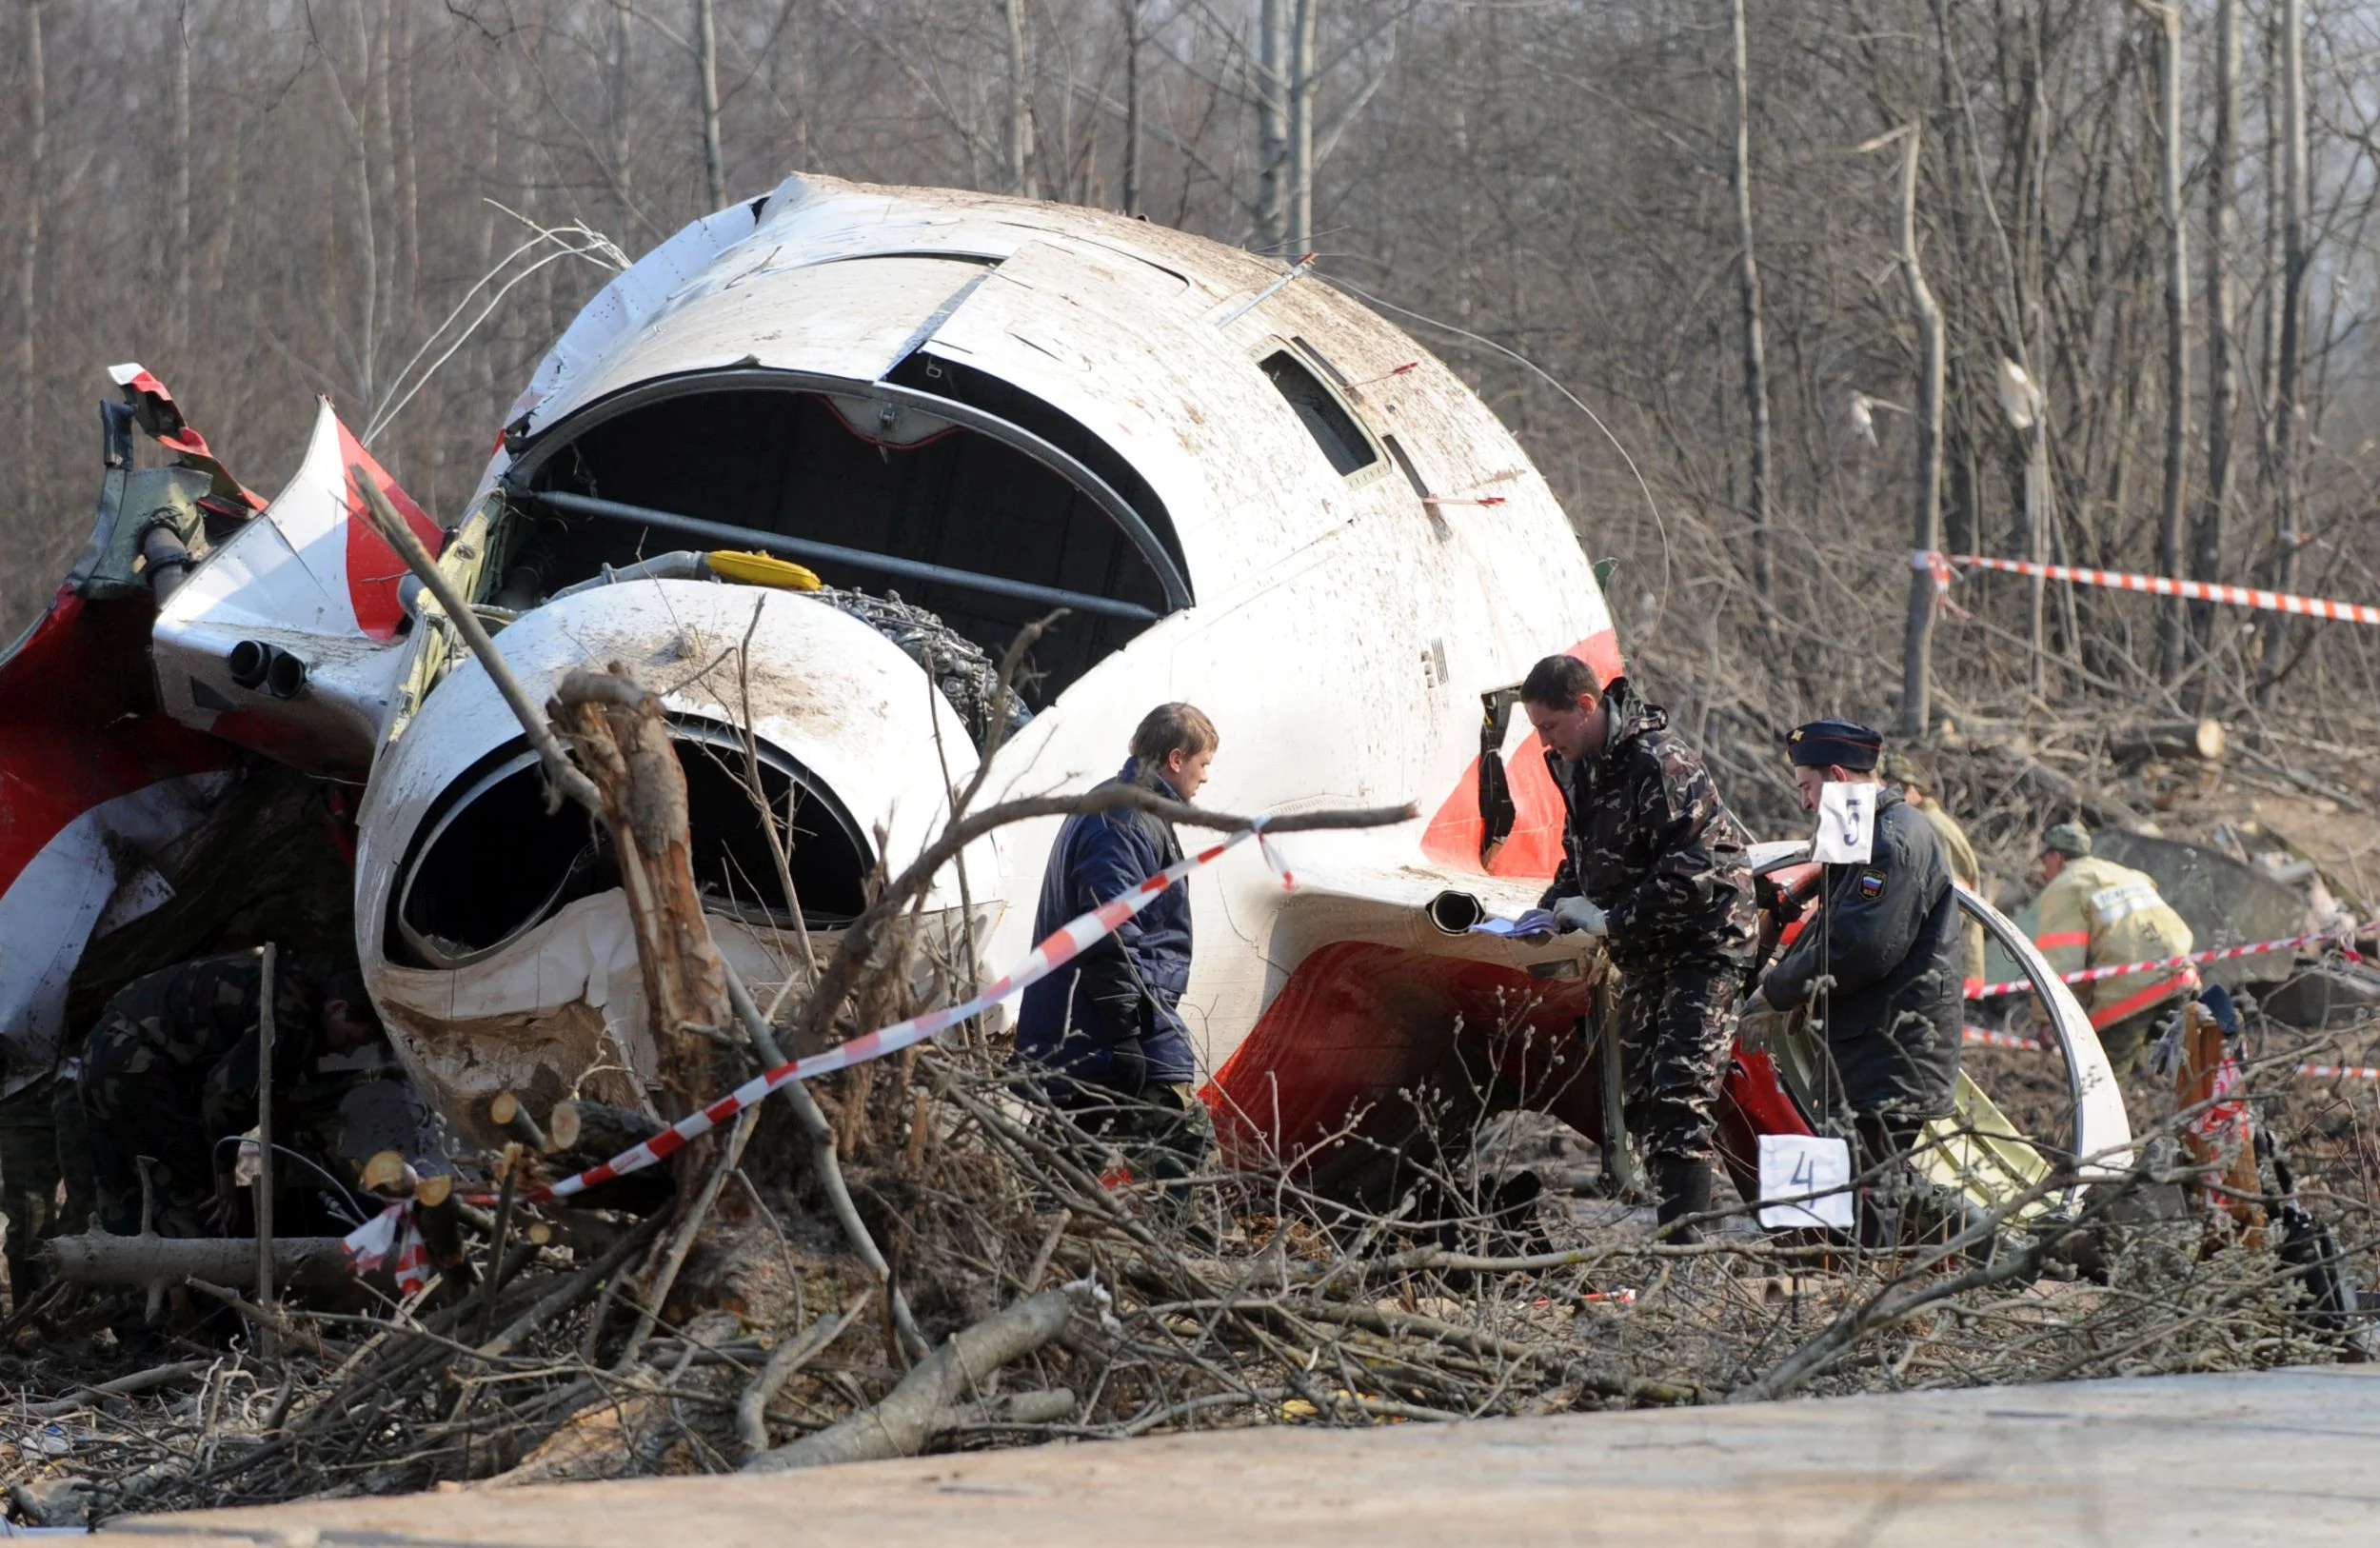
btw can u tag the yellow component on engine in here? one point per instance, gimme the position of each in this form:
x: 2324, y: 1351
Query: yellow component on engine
x: 762, y: 569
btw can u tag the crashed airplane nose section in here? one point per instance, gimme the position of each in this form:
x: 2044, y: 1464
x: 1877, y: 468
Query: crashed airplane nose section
x: 504, y: 956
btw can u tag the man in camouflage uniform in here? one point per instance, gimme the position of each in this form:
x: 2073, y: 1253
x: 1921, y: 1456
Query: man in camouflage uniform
x: 170, y: 1074
x: 2096, y: 913
x: 1654, y: 864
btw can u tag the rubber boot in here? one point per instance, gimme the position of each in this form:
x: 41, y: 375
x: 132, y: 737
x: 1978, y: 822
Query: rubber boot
x: 1684, y: 1184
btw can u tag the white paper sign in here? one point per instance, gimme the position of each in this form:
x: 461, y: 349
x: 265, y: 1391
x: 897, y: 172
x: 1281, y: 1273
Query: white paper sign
x: 1812, y: 1171
x: 1846, y: 823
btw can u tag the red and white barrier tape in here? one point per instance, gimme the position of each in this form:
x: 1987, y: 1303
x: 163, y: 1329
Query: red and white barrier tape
x: 1066, y: 943
x: 2162, y: 586
x: 2092, y: 975
x: 369, y: 1244
x: 1990, y: 1039
x: 392, y: 1230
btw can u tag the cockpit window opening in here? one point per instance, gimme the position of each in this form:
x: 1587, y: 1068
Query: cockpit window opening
x: 984, y: 521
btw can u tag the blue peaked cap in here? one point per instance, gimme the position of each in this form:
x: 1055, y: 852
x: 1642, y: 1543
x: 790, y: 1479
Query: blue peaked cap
x: 1846, y: 742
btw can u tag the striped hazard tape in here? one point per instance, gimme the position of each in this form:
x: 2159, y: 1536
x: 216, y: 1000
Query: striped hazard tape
x: 2161, y: 586
x: 390, y: 1231
x: 369, y: 1244
x: 1988, y: 1038
x: 1067, y: 942
x: 2342, y: 936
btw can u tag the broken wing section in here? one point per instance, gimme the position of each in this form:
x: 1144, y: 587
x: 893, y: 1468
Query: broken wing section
x: 284, y: 639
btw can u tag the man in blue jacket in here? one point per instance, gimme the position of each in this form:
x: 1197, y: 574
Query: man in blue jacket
x: 1106, y: 1029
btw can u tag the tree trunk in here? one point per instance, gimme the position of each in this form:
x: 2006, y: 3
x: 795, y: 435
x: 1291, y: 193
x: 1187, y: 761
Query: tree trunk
x: 1300, y: 201
x: 706, y: 62
x: 2286, y: 385
x: 1917, y: 642
x: 623, y: 742
x: 1132, y: 106
x: 180, y: 329
x: 2222, y: 373
x: 1272, y: 123
x: 622, y: 121
x: 28, y: 255
x: 1748, y: 273
x: 1020, y: 137
x: 2176, y: 339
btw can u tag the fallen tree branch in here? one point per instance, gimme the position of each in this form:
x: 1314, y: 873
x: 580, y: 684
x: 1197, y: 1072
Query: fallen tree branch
x: 786, y: 1358
x: 928, y: 1400
x: 98, y: 1257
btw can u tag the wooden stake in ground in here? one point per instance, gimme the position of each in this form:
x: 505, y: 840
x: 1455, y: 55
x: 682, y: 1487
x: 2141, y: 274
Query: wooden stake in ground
x: 265, y: 1341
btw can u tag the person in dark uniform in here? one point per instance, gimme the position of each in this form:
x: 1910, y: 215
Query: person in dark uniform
x: 169, y: 1073
x: 1654, y: 862
x: 1103, y: 1035
x: 1889, y: 942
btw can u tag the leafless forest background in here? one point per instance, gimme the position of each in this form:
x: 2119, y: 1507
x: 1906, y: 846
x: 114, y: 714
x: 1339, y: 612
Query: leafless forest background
x: 263, y: 200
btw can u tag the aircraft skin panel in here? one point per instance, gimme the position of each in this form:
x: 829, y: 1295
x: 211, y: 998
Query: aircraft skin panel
x: 92, y: 783
x: 853, y: 319
x: 1359, y: 1023
x: 623, y: 305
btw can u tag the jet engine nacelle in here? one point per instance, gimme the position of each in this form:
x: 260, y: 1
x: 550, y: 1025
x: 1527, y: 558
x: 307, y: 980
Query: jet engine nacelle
x: 495, y: 936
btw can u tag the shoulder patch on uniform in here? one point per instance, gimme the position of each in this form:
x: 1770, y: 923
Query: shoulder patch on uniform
x: 1871, y: 883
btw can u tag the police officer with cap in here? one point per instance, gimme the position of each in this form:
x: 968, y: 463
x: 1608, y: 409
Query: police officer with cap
x: 1889, y: 942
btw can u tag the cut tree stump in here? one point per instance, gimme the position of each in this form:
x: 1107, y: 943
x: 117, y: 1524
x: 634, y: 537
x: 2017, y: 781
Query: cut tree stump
x: 2203, y: 741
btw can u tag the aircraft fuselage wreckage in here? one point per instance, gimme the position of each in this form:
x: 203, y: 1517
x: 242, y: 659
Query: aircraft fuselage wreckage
x: 962, y: 412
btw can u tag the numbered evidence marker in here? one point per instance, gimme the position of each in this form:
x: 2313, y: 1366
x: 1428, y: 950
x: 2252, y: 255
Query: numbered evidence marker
x: 1814, y: 1172
x: 1846, y: 823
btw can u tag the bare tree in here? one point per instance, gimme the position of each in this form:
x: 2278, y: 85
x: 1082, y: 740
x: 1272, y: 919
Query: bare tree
x: 1274, y: 23
x: 2290, y: 367
x: 1018, y: 141
x: 2222, y: 373
x: 1133, y: 14
x: 1917, y: 639
x: 1306, y: 15
x: 28, y: 235
x: 622, y: 118
x: 2169, y: 21
x: 706, y: 65
x: 180, y: 207
x: 1748, y: 274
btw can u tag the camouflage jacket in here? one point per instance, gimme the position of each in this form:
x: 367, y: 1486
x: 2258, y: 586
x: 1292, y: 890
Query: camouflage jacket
x: 1648, y: 841
x: 195, y: 1025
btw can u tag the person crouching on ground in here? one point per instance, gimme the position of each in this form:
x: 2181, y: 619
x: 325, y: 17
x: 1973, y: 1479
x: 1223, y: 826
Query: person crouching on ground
x: 1654, y: 864
x: 1105, y: 1031
x: 169, y: 1075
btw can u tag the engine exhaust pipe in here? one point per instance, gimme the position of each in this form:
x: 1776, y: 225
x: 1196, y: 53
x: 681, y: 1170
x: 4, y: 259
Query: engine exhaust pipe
x: 255, y: 665
x: 1455, y: 913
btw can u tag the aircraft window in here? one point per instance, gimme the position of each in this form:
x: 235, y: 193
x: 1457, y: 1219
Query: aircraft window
x: 1325, y: 418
